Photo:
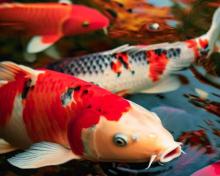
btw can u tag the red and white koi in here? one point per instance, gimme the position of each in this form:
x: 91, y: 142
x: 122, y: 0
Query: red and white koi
x: 58, y: 117
x: 49, y: 22
x: 148, y: 69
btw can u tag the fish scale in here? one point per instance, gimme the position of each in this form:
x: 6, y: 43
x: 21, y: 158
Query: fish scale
x: 143, y: 68
x: 92, y: 67
x: 94, y: 63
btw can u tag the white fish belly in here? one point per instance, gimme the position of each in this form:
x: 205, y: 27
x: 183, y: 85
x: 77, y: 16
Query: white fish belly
x: 125, y: 81
x: 15, y: 131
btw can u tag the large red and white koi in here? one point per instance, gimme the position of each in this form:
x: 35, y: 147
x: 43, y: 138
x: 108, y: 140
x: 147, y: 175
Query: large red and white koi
x: 49, y: 22
x: 148, y: 69
x: 58, y: 117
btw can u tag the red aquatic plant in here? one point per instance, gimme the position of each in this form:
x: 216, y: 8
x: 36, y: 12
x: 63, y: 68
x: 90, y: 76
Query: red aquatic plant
x: 209, y: 105
x: 197, y: 138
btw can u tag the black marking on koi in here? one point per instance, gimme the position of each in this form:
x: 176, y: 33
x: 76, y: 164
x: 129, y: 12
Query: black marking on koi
x: 123, y: 62
x: 26, y: 89
x: 118, y: 74
x: 67, y: 96
x: 85, y: 92
x: 173, y: 52
x: 158, y: 51
x: 89, y: 106
x: 132, y: 72
x: 77, y: 88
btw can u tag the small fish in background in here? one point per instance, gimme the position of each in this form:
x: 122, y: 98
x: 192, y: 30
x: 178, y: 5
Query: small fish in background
x: 58, y: 117
x: 134, y: 21
x: 49, y: 22
x: 147, y: 69
x: 212, y: 170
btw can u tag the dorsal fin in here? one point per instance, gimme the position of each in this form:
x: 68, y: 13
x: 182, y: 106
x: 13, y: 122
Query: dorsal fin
x: 9, y: 70
x: 135, y: 48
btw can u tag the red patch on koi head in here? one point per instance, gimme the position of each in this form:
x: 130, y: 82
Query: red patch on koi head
x: 84, y: 19
x: 157, y: 64
x: 110, y: 107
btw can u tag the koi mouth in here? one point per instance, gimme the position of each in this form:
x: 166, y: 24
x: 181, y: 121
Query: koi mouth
x: 166, y: 156
x: 170, y: 154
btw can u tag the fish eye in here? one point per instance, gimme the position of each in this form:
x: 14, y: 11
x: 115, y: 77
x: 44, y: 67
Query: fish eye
x: 120, y: 140
x: 154, y: 26
x: 85, y: 23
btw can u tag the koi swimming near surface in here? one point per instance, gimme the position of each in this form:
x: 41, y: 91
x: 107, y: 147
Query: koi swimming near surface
x: 56, y: 118
x: 49, y: 22
x: 148, y: 69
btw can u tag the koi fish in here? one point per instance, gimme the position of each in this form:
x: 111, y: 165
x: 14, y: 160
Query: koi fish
x: 212, y: 169
x: 48, y: 22
x: 147, y: 69
x: 58, y: 117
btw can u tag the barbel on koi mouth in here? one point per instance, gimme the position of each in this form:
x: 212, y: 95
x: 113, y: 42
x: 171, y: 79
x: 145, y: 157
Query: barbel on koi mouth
x: 165, y: 157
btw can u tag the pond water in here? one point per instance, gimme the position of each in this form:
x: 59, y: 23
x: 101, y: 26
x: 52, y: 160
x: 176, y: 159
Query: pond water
x: 191, y: 113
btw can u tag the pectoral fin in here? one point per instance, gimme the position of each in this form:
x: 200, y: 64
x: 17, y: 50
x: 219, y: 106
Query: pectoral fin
x: 5, y: 147
x: 53, y: 52
x: 65, y: 1
x: 40, y: 43
x: 169, y: 84
x: 42, y: 154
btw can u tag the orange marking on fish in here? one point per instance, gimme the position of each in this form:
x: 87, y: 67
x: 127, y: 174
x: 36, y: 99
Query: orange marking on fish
x: 194, y: 46
x: 116, y: 66
x: 34, y: 17
x: 122, y: 92
x: 203, y: 43
x: 123, y: 57
x: 157, y: 64
x: 46, y: 117
x: 49, y: 39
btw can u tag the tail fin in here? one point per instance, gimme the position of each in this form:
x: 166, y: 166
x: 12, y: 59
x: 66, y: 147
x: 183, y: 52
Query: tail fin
x: 214, y: 31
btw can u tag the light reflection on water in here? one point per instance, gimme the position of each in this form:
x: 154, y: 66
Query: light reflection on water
x: 161, y: 3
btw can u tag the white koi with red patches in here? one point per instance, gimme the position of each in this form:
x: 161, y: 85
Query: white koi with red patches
x: 149, y: 69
